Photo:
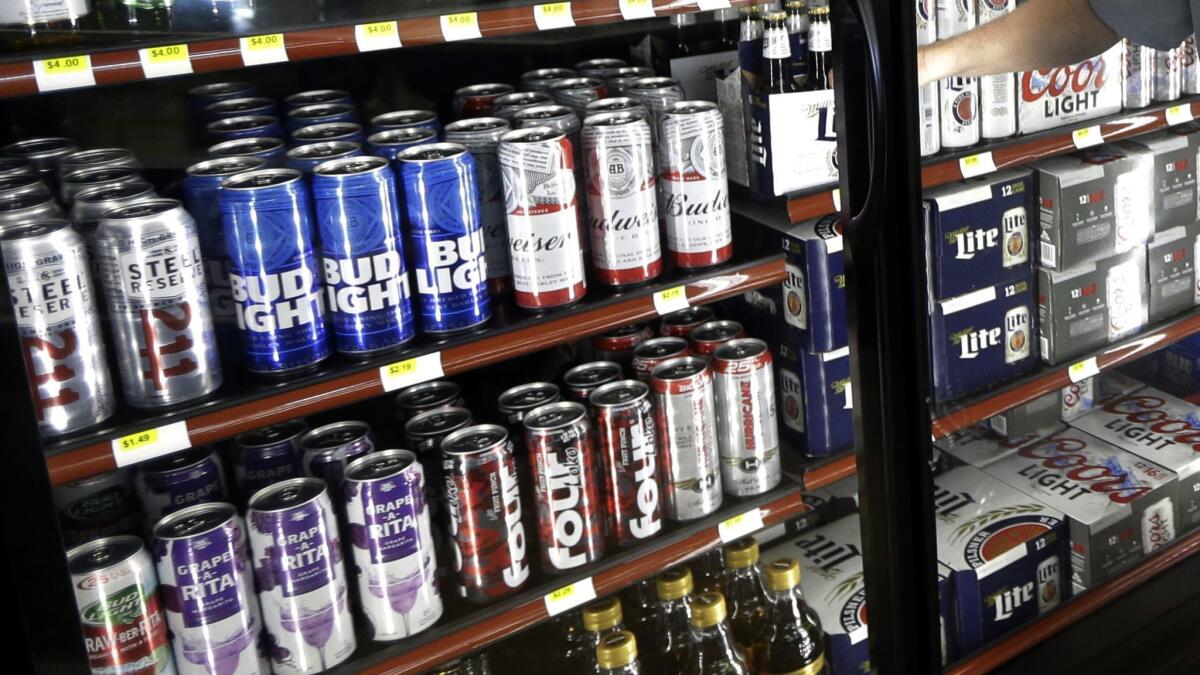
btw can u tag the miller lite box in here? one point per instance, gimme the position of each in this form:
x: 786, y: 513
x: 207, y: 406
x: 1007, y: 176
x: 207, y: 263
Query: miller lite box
x: 1118, y: 505
x: 1054, y: 97
x: 1171, y: 270
x: 982, y: 338
x: 978, y: 446
x: 977, y: 232
x: 1094, y: 204
x: 1174, y: 166
x: 1026, y: 418
x: 1158, y: 427
x: 814, y: 292
x: 1089, y: 306
x: 1006, y: 551
x: 816, y: 399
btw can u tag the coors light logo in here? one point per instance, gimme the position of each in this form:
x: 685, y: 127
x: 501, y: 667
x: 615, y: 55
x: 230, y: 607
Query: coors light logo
x: 1050, y: 97
x: 1064, y: 466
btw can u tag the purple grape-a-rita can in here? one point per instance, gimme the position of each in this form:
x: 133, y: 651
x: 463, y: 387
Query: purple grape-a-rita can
x: 393, y: 544
x: 407, y: 119
x: 273, y: 150
x: 441, y: 193
x: 207, y: 588
x: 389, y: 144
x: 301, y: 579
x: 326, y: 451
x: 305, y: 158
x: 174, y: 482
x: 321, y: 113
x: 267, y: 455
x: 362, y: 254
x: 246, y: 126
x: 273, y: 274
x: 324, y: 133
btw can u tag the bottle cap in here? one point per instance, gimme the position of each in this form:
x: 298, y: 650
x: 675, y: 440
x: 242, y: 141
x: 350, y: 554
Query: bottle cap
x: 742, y: 553
x: 602, y: 614
x: 674, y: 583
x: 775, y: 16
x: 796, y: 4
x: 782, y: 575
x: 616, y: 650
x: 819, y: 10
x: 708, y: 609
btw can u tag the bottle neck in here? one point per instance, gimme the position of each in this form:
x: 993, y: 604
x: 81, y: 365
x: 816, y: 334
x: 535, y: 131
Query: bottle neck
x: 785, y: 604
x: 820, y: 39
x: 631, y: 669
x: 714, y: 644
x: 776, y: 44
x: 743, y: 581
x: 673, y: 613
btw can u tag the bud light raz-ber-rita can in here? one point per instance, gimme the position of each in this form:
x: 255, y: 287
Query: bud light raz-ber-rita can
x: 441, y: 192
x: 746, y: 418
x: 267, y: 455
x: 393, y: 544
x: 51, y: 289
x: 273, y: 271
x: 327, y: 450
x: 481, y: 136
x: 300, y: 577
x: 685, y: 417
x: 694, y: 185
x: 628, y: 446
x: 208, y: 590
x: 171, y: 483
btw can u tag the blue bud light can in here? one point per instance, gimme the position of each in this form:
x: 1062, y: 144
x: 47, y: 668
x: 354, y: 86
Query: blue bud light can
x: 389, y: 144
x: 239, y: 107
x: 305, y: 158
x: 325, y: 113
x: 325, y: 133
x: 247, y: 126
x: 273, y: 273
x: 273, y: 150
x: 362, y: 254
x: 407, y: 119
x: 267, y: 455
x: 316, y: 97
x: 441, y: 195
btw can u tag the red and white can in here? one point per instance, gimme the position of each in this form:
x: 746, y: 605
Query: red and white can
x: 746, y: 418
x: 577, y: 92
x: 542, y: 78
x: 653, y: 352
x: 618, y: 344
x: 620, y: 79
x: 625, y: 433
x: 685, y: 419
x: 682, y: 323
x: 694, y: 185
x: 585, y: 378
x: 621, y: 199
x: 537, y: 167
x: 1168, y: 83
x: 508, y: 105
x: 477, y: 100
x: 705, y: 338
x: 1189, y: 67
x: 481, y: 136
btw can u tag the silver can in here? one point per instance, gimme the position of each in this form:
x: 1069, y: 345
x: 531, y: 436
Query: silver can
x: 54, y: 307
x: 599, y: 67
x: 997, y: 93
x: 542, y: 78
x: 746, y: 420
x: 16, y: 166
x: 1138, y: 66
x: 43, y: 153
x: 508, y: 105
x: 25, y: 207
x: 1189, y: 66
x: 618, y: 81
x: 618, y: 104
x: 99, y: 157
x: 87, y: 179
x: 685, y: 420
x: 959, y: 111
x: 22, y: 183
x: 90, y: 206
x: 1127, y: 306
x: 153, y: 277
x: 577, y: 92
x: 694, y: 185
x: 481, y: 136
x: 1168, y: 83
x: 656, y: 93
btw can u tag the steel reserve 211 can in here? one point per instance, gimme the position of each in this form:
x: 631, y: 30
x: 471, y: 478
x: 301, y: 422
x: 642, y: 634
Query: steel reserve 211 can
x: 746, y: 420
x: 685, y: 417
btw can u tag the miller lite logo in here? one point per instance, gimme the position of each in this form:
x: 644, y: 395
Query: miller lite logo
x: 972, y: 341
x: 963, y: 107
x: 792, y: 392
x: 826, y: 556
x: 1016, y: 335
x: 969, y: 242
x: 794, y: 299
x: 1015, y: 224
x: 1007, y: 600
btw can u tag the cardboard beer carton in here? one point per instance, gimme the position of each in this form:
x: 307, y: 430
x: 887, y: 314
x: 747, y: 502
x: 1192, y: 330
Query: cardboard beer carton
x: 1174, y: 166
x: 815, y: 399
x: 814, y: 293
x: 982, y: 338
x: 977, y: 446
x: 1172, y: 272
x: 1022, y: 420
x: 1065, y: 95
x: 1078, y: 398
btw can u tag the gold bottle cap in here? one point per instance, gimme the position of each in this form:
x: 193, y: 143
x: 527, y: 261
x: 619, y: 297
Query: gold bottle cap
x: 796, y: 4
x: 742, y: 553
x: 775, y: 16
x: 819, y: 11
x: 782, y: 575
x: 674, y: 583
x: 708, y: 609
x: 616, y: 650
x: 602, y: 614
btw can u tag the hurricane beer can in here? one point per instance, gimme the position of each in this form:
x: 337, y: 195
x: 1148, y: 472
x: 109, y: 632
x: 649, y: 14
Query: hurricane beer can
x: 1189, y: 66
x: 707, y: 337
x: 407, y: 119
x: 326, y: 451
x: 479, y: 100
x: 694, y: 185
x: 542, y: 78
x: 1138, y: 64
x: 320, y: 113
x: 389, y: 144
x: 267, y: 455
x: 1168, y: 81
x: 685, y: 419
x: 629, y: 450
x: 508, y: 105
x: 959, y: 111
x: 481, y: 136
x: 174, y: 482
x: 316, y: 97
x: 746, y: 419
x: 305, y: 158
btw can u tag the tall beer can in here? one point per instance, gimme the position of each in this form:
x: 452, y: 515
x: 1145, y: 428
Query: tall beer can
x: 54, y: 307
x: 694, y: 185
x: 927, y: 26
x: 153, y: 276
x: 326, y: 452
x: 560, y: 118
x: 955, y: 17
x: 98, y: 157
x: 1189, y: 66
x: 27, y: 206
x: 746, y: 420
x: 481, y: 136
x: 389, y: 144
x: 629, y: 449
x: 267, y: 455
x: 44, y: 154
x: 1168, y: 83
x: 177, y: 481
x: 478, y: 100
x: 246, y: 126
x: 300, y: 577
x: 1138, y: 65
x: 205, y: 576
x: 685, y: 418
x: 618, y: 80
x: 542, y: 78
x: 238, y: 107
x: 997, y: 93
x: 927, y: 96
x: 577, y: 92
x: 508, y: 105
x: 959, y: 111
x: 321, y: 113
x: 599, y: 67
x: 273, y: 150
x: 81, y: 180
x: 328, y: 133
x: 418, y: 398
x: 317, y: 97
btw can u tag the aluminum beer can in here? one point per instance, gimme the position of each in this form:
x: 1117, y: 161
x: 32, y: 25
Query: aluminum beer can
x: 618, y: 81
x: 657, y: 94
x: 566, y: 485
x: 406, y: 119
x: 481, y: 136
x: 87, y: 179
x: 328, y: 132
x: 246, y: 126
x: 174, y: 482
x: 321, y: 113
x: 55, y: 312
x: 273, y: 150
x: 393, y: 544
x: 267, y: 455
x: 654, y: 351
x: 508, y: 105
x: 207, y: 580
x: 1168, y: 81
x: 560, y: 118
x: 418, y: 398
x: 628, y: 446
x: 1139, y: 75
x: 542, y: 78
x: 618, y: 104
x: 621, y: 199
x: 577, y: 92
x: 326, y: 451
x: 27, y: 207
x: 955, y: 17
x: 98, y: 506
x: 537, y: 165
x: 389, y: 144
x: 96, y: 158
x: 478, y: 100
x: 927, y: 28
x: 683, y: 322
x: 481, y: 493
x: 685, y: 419
x: 1127, y: 304
x: 276, y: 285
x: 585, y: 378
x: 207, y: 94
x: 18, y: 166
x: 305, y: 158
x: 959, y: 111
x: 705, y: 338
x: 153, y: 276
x: 43, y: 153
x: 424, y: 434
x: 599, y: 67
x: 362, y: 253
x: 316, y: 97
x: 19, y: 184
x: 931, y: 128
x: 748, y: 430
x: 1189, y: 66
x: 694, y: 185
x: 239, y: 107
x: 618, y: 344
x: 997, y: 93
x: 515, y: 402
x: 116, y: 592
x: 300, y: 577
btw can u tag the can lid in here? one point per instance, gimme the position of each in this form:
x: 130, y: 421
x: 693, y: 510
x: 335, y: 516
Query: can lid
x: 613, y: 119
x: 577, y: 83
x: 633, y: 71
x: 32, y: 228
x: 143, y: 209
x: 220, y: 88
x: 708, y: 609
x: 438, y: 422
x: 41, y: 147
x: 432, y: 152
x: 661, y: 347
x: 102, y: 174
x: 690, y: 107
x: 20, y: 181
x: 350, y: 166
x: 527, y: 396
x: 531, y: 134
x: 319, y: 110
x: 592, y: 373
x: 286, y: 494
x: 674, y: 584
x: 327, y: 149
x: 245, y: 146
x: 403, y: 117
x: 485, y: 89
x: 616, y: 650
x: 544, y: 112
x: 273, y: 434
x: 427, y: 394
x: 177, y: 461
x: 474, y: 439
x: 238, y: 104
x: 94, y: 156
x: 628, y: 330
x: 9, y: 165
x: 120, y: 191
x: 554, y: 416
x: 381, y: 464
x: 716, y: 331
x: 602, y: 62
x: 261, y: 178
x: 193, y: 520
x: 476, y: 125
x: 782, y: 575
x: 548, y: 74
x: 602, y: 614
x: 614, y: 104
x: 102, y: 554
x: 327, y: 131
x: 241, y: 123
x: 692, y: 316
x: 619, y: 393
x: 742, y: 553
x: 315, y: 96
x: 402, y: 136
x: 740, y: 348
x: 226, y: 166
x: 334, y: 435
x: 653, y: 82
x: 679, y: 368
x: 522, y: 98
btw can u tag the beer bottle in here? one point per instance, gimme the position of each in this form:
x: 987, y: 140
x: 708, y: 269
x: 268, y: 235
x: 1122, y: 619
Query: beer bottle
x: 777, y: 57
x: 617, y: 654
x: 797, y: 27
x: 725, y: 38
x: 599, y: 619
x: 672, y: 630
x: 712, y: 650
x: 710, y: 571
x: 573, y: 638
x: 790, y: 640
x: 642, y: 601
x: 820, y: 45
x: 744, y: 593
x: 750, y: 45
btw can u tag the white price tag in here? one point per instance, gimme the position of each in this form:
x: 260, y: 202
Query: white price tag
x: 260, y: 49
x: 1087, y: 137
x: 977, y: 165
x: 637, y: 9
x: 709, y: 5
x: 65, y: 72
x: 412, y: 371
x: 151, y: 443
x: 1178, y: 114
x: 464, y: 26
x: 837, y: 199
x: 165, y: 61
x: 671, y: 300
x: 741, y: 525
x: 569, y: 597
x: 1083, y: 370
x: 372, y: 37
x: 553, y: 15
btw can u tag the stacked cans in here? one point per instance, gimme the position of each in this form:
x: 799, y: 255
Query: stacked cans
x: 959, y: 96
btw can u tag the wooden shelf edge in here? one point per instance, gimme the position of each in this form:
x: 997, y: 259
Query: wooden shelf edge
x: 824, y: 475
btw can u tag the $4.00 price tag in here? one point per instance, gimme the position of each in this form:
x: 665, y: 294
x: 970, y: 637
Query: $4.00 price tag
x: 260, y: 49
x: 1178, y: 114
x: 374, y: 36
x: 165, y: 61
x: 741, y: 525
x: 977, y: 165
x: 151, y: 443
x: 709, y: 5
x: 65, y: 72
x: 1087, y: 137
x: 671, y: 300
x: 412, y: 371
x: 569, y: 597
x: 637, y: 9
x: 1083, y: 370
x: 553, y: 15
x: 464, y: 26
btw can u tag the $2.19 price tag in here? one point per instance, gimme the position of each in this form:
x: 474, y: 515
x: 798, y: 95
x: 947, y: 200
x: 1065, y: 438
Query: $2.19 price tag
x: 1083, y: 370
x: 671, y: 300
x: 569, y: 597
x: 977, y: 165
x: 741, y: 525
x: 64, y: 72
x: 165, y: 61
x: 412, y: 371
x: 374, y: 36
x: 260, y: 49
x: 151, y: 443
x: 553, y: 15
x: 1178, y: 114
x: 637, y: 9
x: 1087, y: 137
x: 464, y: 26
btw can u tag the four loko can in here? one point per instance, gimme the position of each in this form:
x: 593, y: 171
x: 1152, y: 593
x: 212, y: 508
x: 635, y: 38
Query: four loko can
x: 153, y: 276
x: 746, y: 420
x: 567, y: 485
x: 1138, y: 64
x: 177, y: 481
x: 618, y: 344
x: 98, y: 506
x: 654, y: 351
x: 685, y: 418
x: 362, y: 253
x: 478, y: 100
x: 328, y: 132
x: 316, y: 97
x: 53, y: 303
x: 273, y: 150
x: 326, y: 451
x: 389, y: 144
x: 418, y: 398
x: 300, y: 577
x: 705, y: 338
x: 621, y: 199
x: 441, y: 192
x: 116, y: 591
x: 273, y: 271
x: 267, y: 455
x: 508, y: 105
x: 481, y: 136
x: 585, y: 378
x: 1168, y: 83
x: 515, y: 402
x: 393, y: 544
x: 537, y: 165
x: 484, y: 502
x: 542, y: 78
x: 694, y: 185
x: 683, y: 322
x: 305, y: 158
x: 407, y: 119
x: 207, y: 586
x: 625, y: 432
x: 424, y: 433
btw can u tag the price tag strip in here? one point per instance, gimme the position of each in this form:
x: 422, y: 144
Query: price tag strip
x: 977, y: 165
x: 741, y: 525
x: 671, y: 300
x: 260, y: 49
x: 412, y: 371
x: 372, y: 37
x: 1087, y: 137
x: 553, y: 15
x: 1083, y: 370
x: 1178, y: 114
x: 569, y: 597
x: 165, y: 61
x: 464, y: 26
x: 151, y: 443
x: 64, y: 72
x: 637, y: 9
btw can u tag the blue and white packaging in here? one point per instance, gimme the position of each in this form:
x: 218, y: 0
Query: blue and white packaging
x: 982, y: 338
x: 817, y: 400
x: 1178, y: 370
x: 814, y: 292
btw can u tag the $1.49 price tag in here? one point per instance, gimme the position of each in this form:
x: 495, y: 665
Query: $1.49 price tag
x: 165, y: 61
x: 553, y: 15
x: 569, y: 597
x: 64, y: 72
x: 412, y: 371
x: 671, y: 300
x: 151, y: 443
x: 260, y: 49
x: 464, y: 26
x: 374, y: 36
x: 741, y: 525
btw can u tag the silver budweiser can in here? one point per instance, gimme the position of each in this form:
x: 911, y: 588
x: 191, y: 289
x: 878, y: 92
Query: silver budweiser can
x: 1168, y: 83
x: 685, y: 418
x: 1139, y: 75
x: 577, y: 92
x: 656, y: 93
x: 927, y: 27
x: 207, y: 584
x: 619, y: 80
x: 300, y: 577
x: 1189, y: 66
x: 508, y: 105
x: 955, y: 17
x: 481, y: 136
x: 541, y: 79
x: 393, y: 544
x: 959, y: 111
x: 931, y: 128
x: 54, y: 307
x: 153, y: 277
x: 694, y: 185
x: 622, y: 199
x: 746, y: 420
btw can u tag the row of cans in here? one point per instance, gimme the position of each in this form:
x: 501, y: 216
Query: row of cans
x: 1152, y: 75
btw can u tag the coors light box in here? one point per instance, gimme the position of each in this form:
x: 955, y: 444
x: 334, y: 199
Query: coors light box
x: 1054, y: 97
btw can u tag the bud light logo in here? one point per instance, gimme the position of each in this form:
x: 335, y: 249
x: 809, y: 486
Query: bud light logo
x: 366, y: 284
x: 452, y: 264
x: 275, y: 302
